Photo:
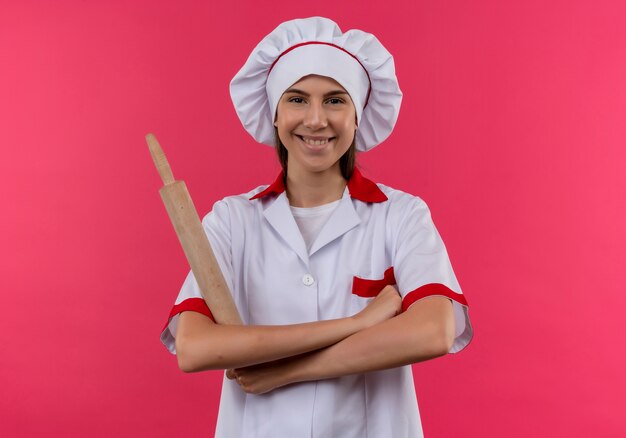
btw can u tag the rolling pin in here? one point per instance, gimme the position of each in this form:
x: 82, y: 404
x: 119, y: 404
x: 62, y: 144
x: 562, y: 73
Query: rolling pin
x: 194, y: 240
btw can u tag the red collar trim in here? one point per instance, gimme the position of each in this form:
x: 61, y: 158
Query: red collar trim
x: 359, y: 187
x: 276, y: 188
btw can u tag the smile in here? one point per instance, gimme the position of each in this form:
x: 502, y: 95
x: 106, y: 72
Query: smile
x: 315, y: 141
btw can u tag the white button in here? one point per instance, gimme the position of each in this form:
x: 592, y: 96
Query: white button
x: 308, y: 280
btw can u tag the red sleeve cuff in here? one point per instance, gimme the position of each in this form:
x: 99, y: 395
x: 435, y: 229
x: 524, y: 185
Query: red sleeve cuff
x: 431, y: 289
x: 193, y: 304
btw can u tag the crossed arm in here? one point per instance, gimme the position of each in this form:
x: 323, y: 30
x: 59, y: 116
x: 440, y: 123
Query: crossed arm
x: 262, y: 358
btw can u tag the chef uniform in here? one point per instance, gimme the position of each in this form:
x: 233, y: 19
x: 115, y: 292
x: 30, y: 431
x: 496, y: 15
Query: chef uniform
x: 375, y: 236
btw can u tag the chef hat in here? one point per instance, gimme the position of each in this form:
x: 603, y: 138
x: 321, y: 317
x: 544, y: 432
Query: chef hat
x: 316, y: 45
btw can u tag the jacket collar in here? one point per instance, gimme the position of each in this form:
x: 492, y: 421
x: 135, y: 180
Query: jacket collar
x: 359, y: 187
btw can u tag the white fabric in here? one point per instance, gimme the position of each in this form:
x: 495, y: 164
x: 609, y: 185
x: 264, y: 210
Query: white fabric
x: 250, y: 87
x: 265, y: 262
x: 322, y: 60
x: 310, y: 220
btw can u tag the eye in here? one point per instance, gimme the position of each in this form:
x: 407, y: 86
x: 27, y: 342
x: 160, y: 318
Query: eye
x: 335, y: 100
x: 295, y: 99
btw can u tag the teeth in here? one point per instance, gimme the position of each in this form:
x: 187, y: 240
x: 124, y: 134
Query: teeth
x: 314, y: 142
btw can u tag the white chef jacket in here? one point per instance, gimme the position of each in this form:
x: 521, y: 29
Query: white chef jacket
x: 375, y: 237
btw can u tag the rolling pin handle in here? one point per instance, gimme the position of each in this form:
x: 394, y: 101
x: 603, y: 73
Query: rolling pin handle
x: 160, y: 161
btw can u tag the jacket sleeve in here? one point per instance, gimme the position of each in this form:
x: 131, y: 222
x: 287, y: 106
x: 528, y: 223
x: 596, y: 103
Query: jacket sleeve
x: 216, y: 225
x: 422, y: 267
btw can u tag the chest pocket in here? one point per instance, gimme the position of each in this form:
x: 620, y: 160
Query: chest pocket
x: 364, y: 289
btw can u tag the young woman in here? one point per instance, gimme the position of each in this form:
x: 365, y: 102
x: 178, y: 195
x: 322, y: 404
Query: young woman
x: 342, y: 283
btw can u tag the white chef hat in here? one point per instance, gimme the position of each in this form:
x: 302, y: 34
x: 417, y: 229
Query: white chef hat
x: 316, y: 45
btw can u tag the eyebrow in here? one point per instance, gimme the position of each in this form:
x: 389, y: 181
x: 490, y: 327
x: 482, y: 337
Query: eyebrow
x: 304, y: 93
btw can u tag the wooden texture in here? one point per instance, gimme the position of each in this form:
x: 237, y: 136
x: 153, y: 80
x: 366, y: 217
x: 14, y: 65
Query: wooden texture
x: 194, y: 240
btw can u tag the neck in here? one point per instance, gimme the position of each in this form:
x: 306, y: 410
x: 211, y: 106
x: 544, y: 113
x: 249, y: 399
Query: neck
x: 314, y: 189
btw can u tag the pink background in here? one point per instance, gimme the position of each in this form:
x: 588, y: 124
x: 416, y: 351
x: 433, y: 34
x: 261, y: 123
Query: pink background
x: 512, y: 129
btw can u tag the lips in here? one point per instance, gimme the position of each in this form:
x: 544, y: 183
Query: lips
x: 315, y: 143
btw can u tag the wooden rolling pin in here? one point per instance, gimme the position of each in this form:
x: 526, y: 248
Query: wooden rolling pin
x: 194, y: 240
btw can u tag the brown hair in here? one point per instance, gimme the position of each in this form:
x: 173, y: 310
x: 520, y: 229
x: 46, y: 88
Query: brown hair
x: 346, y: 162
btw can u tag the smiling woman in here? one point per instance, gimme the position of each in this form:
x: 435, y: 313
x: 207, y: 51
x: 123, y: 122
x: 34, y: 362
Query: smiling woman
x: 341, y: 282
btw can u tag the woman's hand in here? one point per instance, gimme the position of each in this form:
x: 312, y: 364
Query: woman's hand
x: 262, y: 378
x: 385, y: 305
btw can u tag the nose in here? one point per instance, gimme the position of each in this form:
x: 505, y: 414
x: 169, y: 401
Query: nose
x: 315, y: 117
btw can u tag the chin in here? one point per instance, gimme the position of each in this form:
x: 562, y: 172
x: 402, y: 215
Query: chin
x: 320, y: 168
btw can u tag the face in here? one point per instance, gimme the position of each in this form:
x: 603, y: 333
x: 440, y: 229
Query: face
x: 316, y: 122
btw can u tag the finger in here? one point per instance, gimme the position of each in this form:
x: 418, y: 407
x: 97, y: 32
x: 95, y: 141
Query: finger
x: 392, y: 288
x: 231, y: 374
